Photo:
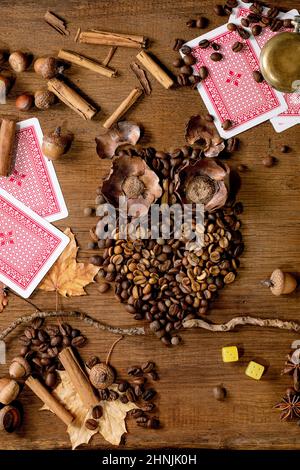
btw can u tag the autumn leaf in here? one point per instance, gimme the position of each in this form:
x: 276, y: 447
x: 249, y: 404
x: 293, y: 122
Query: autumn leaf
x: 111, y: 425
x: 3, y: 297
x: 66, y: 276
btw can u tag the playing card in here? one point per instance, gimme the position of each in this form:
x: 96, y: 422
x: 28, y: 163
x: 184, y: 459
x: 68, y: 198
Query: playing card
x: 291, y: 116
x: 230, y: 91
x: 29, y: 245
x: 33, y: 180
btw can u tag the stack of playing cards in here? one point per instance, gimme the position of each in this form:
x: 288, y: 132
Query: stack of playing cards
x: 230, y: 92
x: 30, y: 198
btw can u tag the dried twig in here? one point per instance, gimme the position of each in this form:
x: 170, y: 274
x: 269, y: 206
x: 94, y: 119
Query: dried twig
x: 109, y: 56
x: 56, y: 23
x: 243, y: 321
x: 77, y: 35
x: 79, y: 315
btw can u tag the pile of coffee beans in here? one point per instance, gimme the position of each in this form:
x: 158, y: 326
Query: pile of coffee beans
x: 136, y: 389
x: 41, y: 346
x: 160, y: 280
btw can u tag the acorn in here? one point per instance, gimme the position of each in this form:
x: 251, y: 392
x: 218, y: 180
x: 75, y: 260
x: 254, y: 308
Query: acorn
x: 10, y: 418
x: 43, y: 99
x: 281, y: 283
x: 9, y: 390
x: 48, y: 67
x: 24, y: 102
x: 19, y: 61
x: 56, y: 144
x: 19, y: 368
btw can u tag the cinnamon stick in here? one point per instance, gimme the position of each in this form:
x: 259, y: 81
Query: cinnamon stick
x: 85, y: 62
x: 106, y: 38
x: 123, y: 107
x: 56, y: 23
x: 71, y: 98
x: 57, y: 408
x: 78, y: 378
x: 149, y: 63
x: 7, y: 138
x: 109, y: 56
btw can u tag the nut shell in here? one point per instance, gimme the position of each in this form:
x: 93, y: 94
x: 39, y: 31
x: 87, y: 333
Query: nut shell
x: 10, y: 418
x: 9, y: 390
x: 19, y: 368
x: 43, y: 99
x: 102, y: 376
x: 24, y: 102
x: 48, y: 67
x: 56, y: 144
x: 19, y: 61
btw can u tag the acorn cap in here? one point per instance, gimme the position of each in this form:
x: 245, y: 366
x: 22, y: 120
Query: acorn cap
x: 19, y: 368
x: 9, y: 390
x: 282, y: 283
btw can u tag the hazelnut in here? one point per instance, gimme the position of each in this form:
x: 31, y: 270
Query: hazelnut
x: 19, y: 61
x: 9, y: 390
x: 48, y: 67
x: 19, y: 368
x: 10, y: 418
x: 56, y: 144
x: 24, y: 102
x: 43, y: 99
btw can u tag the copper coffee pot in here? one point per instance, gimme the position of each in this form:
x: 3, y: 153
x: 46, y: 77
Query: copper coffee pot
x: 280, y: 60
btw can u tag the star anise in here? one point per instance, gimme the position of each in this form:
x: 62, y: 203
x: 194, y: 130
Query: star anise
x: 292, y: 367
x: 289, y: 407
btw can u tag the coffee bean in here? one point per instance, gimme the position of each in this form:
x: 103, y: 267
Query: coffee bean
x: 231, y: 27
x: 219, y: 10
x: 272, y: 12
x: 130, y: 395
x: 155, y: 326
x: 284, y: 149
x: 237, y: 46
x: 24, y: 350
x: 276, y: 25
x: 227, y: 10
x: 135, y: 413
x: 258, y: 76
x: 138, y: 390
x: 256, y: 8
x: 135, y: 371
x: 149, y: 394
x: 242, y: 168
x: 52, y: 352
x: 103, y: 287
x: 97, y: 412
x: 153, y: 423
x: 51, y: 379
x: 104, y: 394
x: 88, y: 211
x: 186, y: 69
x: 245, y: 22
x: 268, y: 161
x: 113, y: 395
x: 219, y: 392
x: 30, y: 332
x: 148, y: 407
x: 37, y: 323
x: 66, y: 341
x: 232, y: 144
x: 56, y: 341
x: 227, y: 124
x: 232, y: 3
x: 96, y: 260
x: 79, y: 341
x: 124, y: 399
x: 182, y: 79
x: 152, y: 375
x: 215, y: 46
x: 92, y: 362
x: 123, y: 386
x: 203, y: 72
x: 288, y: 24
x: 216, y: 56
x: 189, y: 59
x: 204, y: 44
x: 256, y: 30
x: 186, y: 49
x: 91, y: 424
x: 191, y: 23
x: 201, y: 22
x: 65, y: 329
x: 141, y: 419
x: 45, y: 361
x: 24, y: 340
x: 178, y: 43
x: 175, y: 340
x: 243, y: 33
x: 148, y: 367
x: 253, y: 18
x: 178, y: 62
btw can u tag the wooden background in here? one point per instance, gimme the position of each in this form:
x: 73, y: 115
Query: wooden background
x: 190, y: 415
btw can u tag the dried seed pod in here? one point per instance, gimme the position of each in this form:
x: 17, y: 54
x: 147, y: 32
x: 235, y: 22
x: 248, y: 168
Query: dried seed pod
x: 19, y: 61
x: 281, y: 283
x: 24, y: 102
x: 56, y: 144
x: 102, y: 375
x: 19, y: 368
x: 9, y: 390
x: 43, y: 99
x: 48, y: 67
x: 10, y: 418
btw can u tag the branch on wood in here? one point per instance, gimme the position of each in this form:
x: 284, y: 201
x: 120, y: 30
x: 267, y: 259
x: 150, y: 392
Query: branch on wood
x: 243, y: 321
x: 79, y: 315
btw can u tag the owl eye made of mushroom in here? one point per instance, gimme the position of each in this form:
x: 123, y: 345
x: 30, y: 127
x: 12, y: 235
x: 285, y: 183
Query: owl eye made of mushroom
x: 205, y: 181
x: 131, y: 177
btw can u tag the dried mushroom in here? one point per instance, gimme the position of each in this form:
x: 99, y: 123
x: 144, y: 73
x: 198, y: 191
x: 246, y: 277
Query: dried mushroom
x: 204, y: 181
x: 202, y: 129
x: 122, y: 133
x: 131, y: 177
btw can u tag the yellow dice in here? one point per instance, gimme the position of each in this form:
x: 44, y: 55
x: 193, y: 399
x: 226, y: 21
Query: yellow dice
x: 255, y: 370
x: 230, y: 354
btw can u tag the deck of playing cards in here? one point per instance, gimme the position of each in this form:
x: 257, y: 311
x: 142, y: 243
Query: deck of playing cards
x: 230, y: 92
x: 30, y: 197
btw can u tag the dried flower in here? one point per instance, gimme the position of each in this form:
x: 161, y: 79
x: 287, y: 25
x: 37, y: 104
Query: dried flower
x: 289, y: 407
x: 292, y: 367
x: 122, y: 133
x: 204, y: 181
x: 202, y: 129
x: 131, y: 177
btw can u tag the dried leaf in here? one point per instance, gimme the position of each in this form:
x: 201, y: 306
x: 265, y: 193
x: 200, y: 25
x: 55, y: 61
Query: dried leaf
x: 200, y: 129
x: 3, y: 297
x: 66, y: 276
x: 124, y: 132
x: 111, y: 425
